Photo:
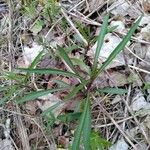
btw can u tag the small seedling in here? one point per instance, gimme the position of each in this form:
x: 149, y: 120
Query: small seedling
x: 83, y: 132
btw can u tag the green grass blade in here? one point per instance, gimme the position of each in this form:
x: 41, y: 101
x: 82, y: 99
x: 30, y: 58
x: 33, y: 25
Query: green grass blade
x: 118, y: 91
x: 71, y: 48
x: 87, y: 128
x: 60, y: 83
x: 120, y: 46
x: 66, y: 118
x: 111, y: 29
x: 36, y: 94
x: 98, y: 143
x: 8, y: 95
x: 100, y: 43
x: 79, y: 130
x: 81, y: 64
x: 51, y: 71
x: 50, y: 109
x: 36, y: 60
x: 66, y: 58
x: 34, y: 63
x: 83, y: 31
x: 75, y: 90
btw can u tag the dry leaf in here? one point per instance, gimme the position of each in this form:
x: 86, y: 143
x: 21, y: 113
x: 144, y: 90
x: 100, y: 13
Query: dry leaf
x: 120, y: 26
x: 31, y: 107
x: 120, y: 145
x: 145, y: 20
x: 123, y: 8
x: 146, y: 122
x: 146, y: 5
x: 116, y: 99
x: 29, y: 54
x: 110, y: 43
x: 145, y: 28
x: 5, y: 144
x: 138, y: 101
x: 94, y: 4
x: 116, y: 78
x: 21, y: 63
x: 50, y: 100
x: 141, y: 146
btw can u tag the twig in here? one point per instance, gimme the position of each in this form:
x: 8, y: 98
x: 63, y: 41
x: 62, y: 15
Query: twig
x: 117, y: 126
x: 139, y: 69
x: 73, y: 26
x: 111, y: 124
x: 134, y: 117
x: 10, y: 35
x: 22, y: 131
x: 62, y: 18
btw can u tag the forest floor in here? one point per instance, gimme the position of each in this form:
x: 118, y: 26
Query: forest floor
x: 47, y: 56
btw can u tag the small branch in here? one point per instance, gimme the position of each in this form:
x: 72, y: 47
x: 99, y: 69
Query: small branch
x: 73, y: 26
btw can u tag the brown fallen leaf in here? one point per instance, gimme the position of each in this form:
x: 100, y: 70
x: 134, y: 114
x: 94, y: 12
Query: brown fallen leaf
x: 94, y: 4
x: 146, y: 5
x: 115, y: 78
x: 50, y: 100
x: 63, y: 141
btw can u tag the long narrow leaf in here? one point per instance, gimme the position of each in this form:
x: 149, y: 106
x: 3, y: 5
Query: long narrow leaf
x: 81, y: 64
x: 79, y: 130
x: 69, y: 117
x: 118, y: 91
x: 36, y: 94
x: 75, y: 90
x: 8, y: 95
x: 50, y: 109
x: 100, y: 43
x: 51, y: 71
x: 34, y: 63
x: 60, y: 83
x: 66, y: 58
x: 120, y: 46
x: 36, y: 60
x: 87, y: 128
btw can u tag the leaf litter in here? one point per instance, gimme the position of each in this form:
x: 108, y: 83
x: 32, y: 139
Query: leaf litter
x: 118, y: 73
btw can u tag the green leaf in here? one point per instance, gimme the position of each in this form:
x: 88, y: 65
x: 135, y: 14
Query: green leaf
x: 81, y: 64
x: 75, y: 90
x: 36, y: 94
x: 71, y: 48
x: 79, y: 130
x: 34, y: 63
x: 120, y: 46
x: 69, y: 117
x: 117, y: 91
x: 98, y: 143
x: 146, y: 86
x: 67, y: 60
x: 10, y: 91
x: 50, y: 109
x: 111, y: 29
x: 51, y: 71
x: 60, y: 83
x: 36, y: 60
x: 19, y: 78
x: 100, y: 43
x: 37, y: 27
x: 83, y: 31
x: 87, y: 128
